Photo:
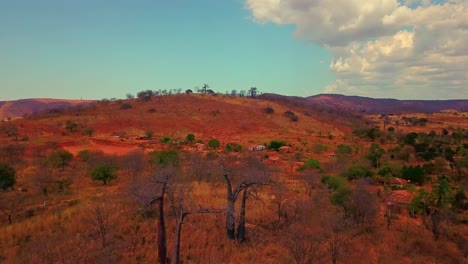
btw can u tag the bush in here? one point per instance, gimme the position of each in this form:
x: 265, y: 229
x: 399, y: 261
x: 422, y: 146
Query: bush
x: 319, y: 148
x: 126, y: 106
x: 344, y: 149
x: 190, y: 138
x: 164, y: 157
x: 356, y: 171
x: 88, y: 131
x: 7, y: 176
x: 60, y: 159
x: 268, y: 110
x: 214, y: 143
x: 414, y: 174
x: 311, y: 164
x: 333, y: 182
x: 151, y: 110
x: 165, y: 140
x: 291, y: 115
x: 276, y: 144
x: 233, y: 147
x: 104, y: 173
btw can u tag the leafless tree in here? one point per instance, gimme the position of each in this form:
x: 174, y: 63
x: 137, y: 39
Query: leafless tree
x: 336, y: 234
x: 303, y: 246
x: 100, y: 215
x: 287, y: 208
x: 183, y: 205
x: 241, y: 174
x: 134, y: 164
x: 151, y: 190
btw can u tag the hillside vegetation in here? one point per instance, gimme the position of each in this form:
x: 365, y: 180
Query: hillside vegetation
x: 207, y: 178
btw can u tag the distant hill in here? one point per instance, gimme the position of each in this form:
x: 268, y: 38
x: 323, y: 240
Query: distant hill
x: 19, y: 108
x: 360, y: 104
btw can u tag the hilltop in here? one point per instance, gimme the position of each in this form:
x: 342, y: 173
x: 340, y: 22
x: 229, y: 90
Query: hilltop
x: 329, y: 102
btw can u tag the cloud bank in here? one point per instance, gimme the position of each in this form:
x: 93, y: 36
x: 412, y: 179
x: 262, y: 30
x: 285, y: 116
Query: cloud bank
x: 383, y: 48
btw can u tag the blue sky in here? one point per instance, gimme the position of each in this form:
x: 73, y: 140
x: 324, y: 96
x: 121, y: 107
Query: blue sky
x: 94, y: 49
x: 104, y: 49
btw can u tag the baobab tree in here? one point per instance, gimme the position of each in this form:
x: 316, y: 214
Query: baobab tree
x: 152, y: 190
x: 241, y: 174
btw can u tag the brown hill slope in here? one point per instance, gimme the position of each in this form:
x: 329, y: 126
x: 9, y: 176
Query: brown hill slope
x: 229, y: 119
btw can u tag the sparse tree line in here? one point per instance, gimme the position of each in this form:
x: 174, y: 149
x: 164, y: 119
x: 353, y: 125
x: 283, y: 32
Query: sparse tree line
x: 148, y: 95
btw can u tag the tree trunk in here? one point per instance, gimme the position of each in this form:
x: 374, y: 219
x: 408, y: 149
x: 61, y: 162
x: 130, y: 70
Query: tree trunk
x: 230, y: 220
x: 241, y: 227
x: 176, y: 253
x: 162, y: 250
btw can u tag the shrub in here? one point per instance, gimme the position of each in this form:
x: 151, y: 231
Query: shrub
x: 333, y: 182
x: 165, y: 140
x: 414, y: 174
x: 356, y: 171
x: 151, y: 110
x: 311, y: 164
x: 343, y: 149
x: 7, y: 176
x: 276, y: 144
x: 291, y: 115
x: 233, y: 147
x: 164, y: 157
x: 88, y: 131
x: 268, y: 110
x: 126, y: 106
x: 214, y: 143
x: 319, y: 148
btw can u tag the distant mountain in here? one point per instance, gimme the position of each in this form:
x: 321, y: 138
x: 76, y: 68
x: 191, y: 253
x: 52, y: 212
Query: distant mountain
x: 360, y: 104
x: 19, y: 108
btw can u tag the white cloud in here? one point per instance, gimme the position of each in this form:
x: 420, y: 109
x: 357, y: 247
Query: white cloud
x: 383, y: 48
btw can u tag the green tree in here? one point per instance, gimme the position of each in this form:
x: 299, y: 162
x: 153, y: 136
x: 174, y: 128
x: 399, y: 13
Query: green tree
x: 164, y: 158
x: 60, y: 159
x: 214, y: 143
x: 89, y: 131
x: 7, y: 176
x: 104, y: 173
x: 414, y: 174
x: 71, y: 126
x: 190, y: 138
x: 375, y: 154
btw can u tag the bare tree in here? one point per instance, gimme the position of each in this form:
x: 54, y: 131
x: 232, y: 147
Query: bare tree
x: 336, y: 233
x: 151, y: 191
x: 183, y: 205
x: 99, y: 215
x: 239, y: 176
x: 303, y: 246
x: 134, y: 164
